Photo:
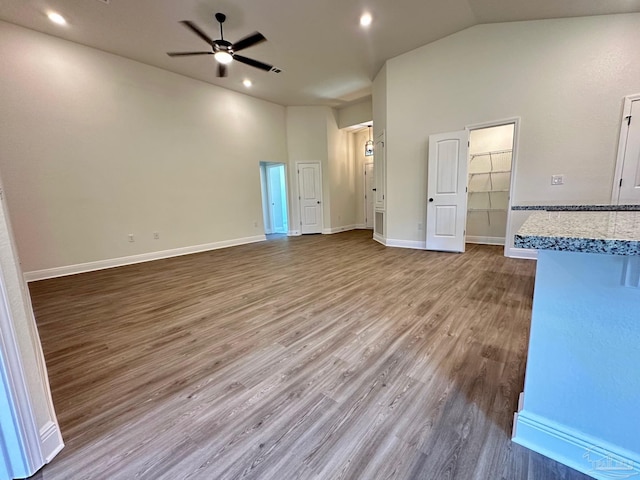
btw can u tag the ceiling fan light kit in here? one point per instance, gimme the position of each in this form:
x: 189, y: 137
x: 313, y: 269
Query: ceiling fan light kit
x: 224, y: 51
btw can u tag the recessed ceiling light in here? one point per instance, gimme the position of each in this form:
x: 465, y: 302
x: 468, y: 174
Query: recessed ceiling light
x: 365, y: 19
x: 247, y: 83
x: 56, y: 18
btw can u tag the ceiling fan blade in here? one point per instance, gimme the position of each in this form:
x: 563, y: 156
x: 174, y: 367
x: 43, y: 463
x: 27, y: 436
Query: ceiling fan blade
x: 254, y: 63
x: 222, y: 70
x: 249, y: 41
x: 195, y: 29
x: 186, y: 54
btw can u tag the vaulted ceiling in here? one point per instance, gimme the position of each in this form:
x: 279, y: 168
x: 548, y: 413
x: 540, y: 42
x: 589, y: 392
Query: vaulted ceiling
x: 326, y: 57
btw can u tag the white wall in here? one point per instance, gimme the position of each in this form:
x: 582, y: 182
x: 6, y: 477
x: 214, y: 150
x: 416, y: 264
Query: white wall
x: 565, y: 78
x: 359, y: 139
x: 380, y: 114
x: 483, y: 140
x: 341, y: 176
x: 307, y: 142
x: 355, y: 114
x: 18, y: 325
x: 313, y: 136
x: 94, y: 146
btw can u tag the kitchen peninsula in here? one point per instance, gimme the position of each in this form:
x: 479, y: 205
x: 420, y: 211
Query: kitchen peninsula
x: 581, y: 399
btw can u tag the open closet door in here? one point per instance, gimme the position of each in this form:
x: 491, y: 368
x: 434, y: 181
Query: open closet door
x: 447, y: 191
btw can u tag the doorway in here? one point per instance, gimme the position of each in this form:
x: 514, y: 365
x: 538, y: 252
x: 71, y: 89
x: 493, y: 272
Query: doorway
x: 626, y: 180
x: 274, y: 198
x: 369, y: 195
x: 489, y: 182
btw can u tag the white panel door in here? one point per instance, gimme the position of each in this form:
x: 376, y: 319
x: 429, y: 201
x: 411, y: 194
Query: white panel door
x: 310, y: 195
x: 369, y: 195
x: 447, y: 191
x: 630, y: 180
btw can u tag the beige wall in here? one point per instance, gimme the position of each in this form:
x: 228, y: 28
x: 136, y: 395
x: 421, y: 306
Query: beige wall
x: 19, y: 310
x: 307, y: 142
x: 341, y: 175
x: 485, y: 140
x: 564, y: 78
x: 359, y: 139
x: 313, y: 136
x: 94, y: 147
x: 355, y: 114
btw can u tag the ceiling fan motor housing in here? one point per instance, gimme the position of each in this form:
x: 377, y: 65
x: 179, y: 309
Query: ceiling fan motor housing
x: 223, y: 46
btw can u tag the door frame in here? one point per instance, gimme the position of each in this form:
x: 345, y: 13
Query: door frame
x: 622, y: 147
x: 364, y: 188
x: 24, y: 423
x: 299, y: 224
x: 514, y: 156
x: 264, y: 185
x: 270, y: 194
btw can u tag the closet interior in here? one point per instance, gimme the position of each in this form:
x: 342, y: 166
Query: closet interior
x: 490, y: 163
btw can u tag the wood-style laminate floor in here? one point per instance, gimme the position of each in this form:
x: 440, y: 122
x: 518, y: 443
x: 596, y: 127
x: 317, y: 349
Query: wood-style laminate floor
x: 315, y: 357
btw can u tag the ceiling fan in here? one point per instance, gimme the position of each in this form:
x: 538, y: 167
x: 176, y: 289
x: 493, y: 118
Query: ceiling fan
x: 224, y: 51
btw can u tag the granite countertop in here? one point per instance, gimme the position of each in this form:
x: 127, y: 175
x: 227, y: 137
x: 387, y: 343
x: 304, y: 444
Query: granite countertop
x: 576, y: 207
x: 612, y: 233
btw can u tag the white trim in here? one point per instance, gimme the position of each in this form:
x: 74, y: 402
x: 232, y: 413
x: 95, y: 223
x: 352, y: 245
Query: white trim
x: 379, y: 238
x: 50, y: 441
x: 524, y: 253
x: 514, y: 163
x: 268, y: 191
x: 25, y: 422
x: 129, y: 260
x: 571, y: 447
x: 300, y: 199
x: 294, y: 233
x: 484, y: 240
x: 415, y: 244
x: 364, y: 189
x: 622, y: 146
x: 381, y: 162
x: 362, y: 226
x: 329, y: 231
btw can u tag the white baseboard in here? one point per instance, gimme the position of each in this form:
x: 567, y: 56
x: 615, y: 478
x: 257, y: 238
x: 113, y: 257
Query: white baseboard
x: 525, y: 253
x: 129, y: 260
x: 294, y: 233
x: 380, y: 239
x: 362, y: 226
x: 415, y: 244
x: 591, y: 456
x: 484, y: 240
x: 329, y: 231
x: 50, y: 441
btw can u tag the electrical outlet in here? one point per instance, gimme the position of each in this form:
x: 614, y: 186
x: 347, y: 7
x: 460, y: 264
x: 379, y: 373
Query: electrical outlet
x: 156, y: 235
x: 255, y: 224
x: 131, y: 239
x: 420, y: 226
x: 557, y: 179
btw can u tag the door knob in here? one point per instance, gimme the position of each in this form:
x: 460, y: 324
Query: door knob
x: 431, y: 199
